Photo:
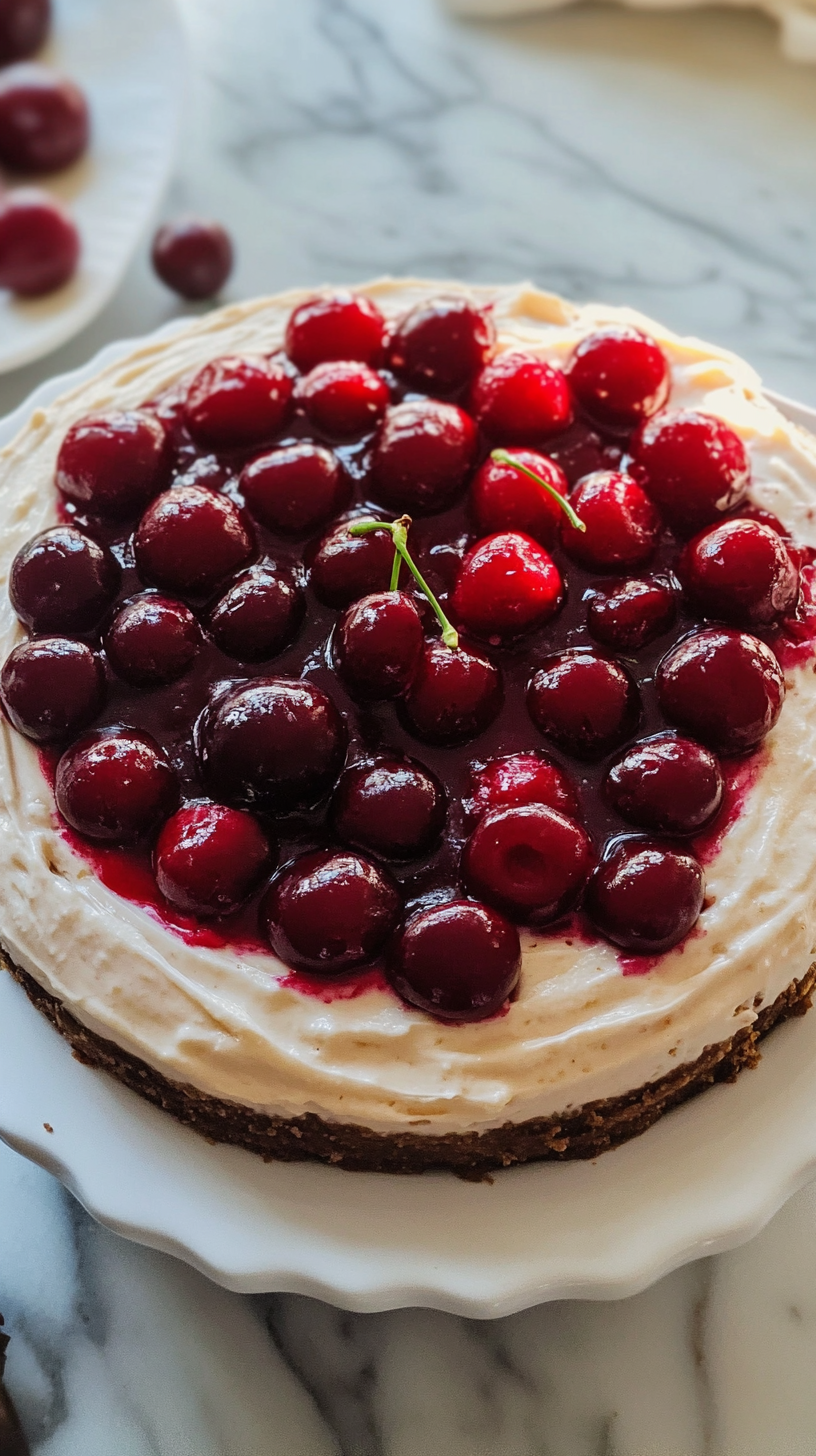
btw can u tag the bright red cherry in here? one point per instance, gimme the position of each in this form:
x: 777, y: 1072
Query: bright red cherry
x: 39, y: 243
x: 43, y: 119
x: 520, y: 398
x: 24, y: 26
x: 503, y: 499
x: 455, y: 694
x: 586, y: 703
x: 633, y: 613
x: 667, y: 783
x: 112, y: 464
x: 458, y: 961
x: 740, y: 571
x: 335, y: 326
x: 438, y: 346
x: 422, y: 456
x: 622, y: 525
x: 644, y: 895
x: 190, y: 538
x: 51, y: 687
x: 507, y: 584
x: 152, y: 640
x: 259, y: 614
x: 330, y: 911
x: 115, y: 785
x: 235, y: 402
x: 343, y: 398
x: 692, y: 465
x: 192, y: 257
x: 377, y: 645
x: 62, y: 581
x: 724, y: 687
x: 345, y: 568
x: 208, y: 859
x: 295, y: 489
x: 390, y: 806
x: 619, y: 376
x: 520, y: 778
x: 529, y: 861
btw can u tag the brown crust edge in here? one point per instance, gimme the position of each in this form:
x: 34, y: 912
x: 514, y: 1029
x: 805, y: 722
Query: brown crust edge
x: 584, y: 1133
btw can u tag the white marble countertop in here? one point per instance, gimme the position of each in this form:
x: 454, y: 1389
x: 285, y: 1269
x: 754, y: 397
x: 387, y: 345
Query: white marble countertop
x: 666, y: 160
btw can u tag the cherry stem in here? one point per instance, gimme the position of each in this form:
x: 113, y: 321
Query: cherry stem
x: 399, y: 535
x: 503, y: 457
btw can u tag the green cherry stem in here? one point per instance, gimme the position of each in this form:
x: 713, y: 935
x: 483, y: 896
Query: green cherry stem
x: 399, y: 536
x: 503, y: 457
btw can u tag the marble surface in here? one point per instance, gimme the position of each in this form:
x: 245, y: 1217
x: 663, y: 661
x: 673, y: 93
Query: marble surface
x: 661, y: 159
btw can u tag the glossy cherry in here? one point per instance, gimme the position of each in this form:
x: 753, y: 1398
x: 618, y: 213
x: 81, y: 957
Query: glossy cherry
x: 519, y: 398
x: 378, y: 643
x: 330, y: 911
x: 390, y: 806
x: 740, y: 571
x: 517, y: 779
x: 439, y: 346
x: 24, y: 26
x: 631, y: 614
x: 44, y: 121
x: 51, y: 687
x: 622, y: 525
x: 694, y: 467
x: 619, y: 376
x: 668, y: 783
x: 345, y: 567
x: 236, y: 401
x: 458, y: 961
x: 190, y: 538
x: 340, y: 325
x: 586, y: 703
x: 343, y: 398
x: 295, y: 489
x: 152, y: 640
x: 529, y: 861
x: 209, y: 858
x: 193, y: 257
x: 259, y: 614
x: 724, y: 687
x: 645, y: 896
x: 422, y: 456
x: 112, y: 464
x: 454, y: 695
x: 503, y: 499
x: 62, y: 581
x: 39, y: 243
x: 115, y: 785
x: 507, y: 584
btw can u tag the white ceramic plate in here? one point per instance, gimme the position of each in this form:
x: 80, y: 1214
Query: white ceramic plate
x: 706, y: 1178
x: 129, y: 57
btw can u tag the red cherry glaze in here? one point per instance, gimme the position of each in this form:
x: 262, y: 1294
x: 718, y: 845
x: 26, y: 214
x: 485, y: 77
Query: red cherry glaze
x: 259, y: 614
x: 667, y: 783
x: 335, y: 326
x: 518, y: 397
x: 51, y: 687
x: 439, y: 346
x: 458, y: 961
x: 724, y: 687
x: 39, y: 243
x: 193, y: 257
x: 390, y: 806
x: 330, y: 911
x: 693, y: 466
x: 190, y: 538
x: 112, y: 464
x: 529, y: 861
x: 208, y: 859
x: 235, y: 402
x: 152, y: 640
x: 586, y: 703
x: 43, y: 119
x: 620, y: 377
x: 502, y: 499
x: 377, y: 645
x: 454, y: 696
x: 343, y: 398
x: 295, y: 489
x: 115, y: 785
x: 622, y: 525
x: 740, y: 571
x: 62, y: 581
x: 507, y: 584
x: 422, y: 456
x: 645, y: 896
x: 24, y: 26
x: 632, y: 614
x: 345, y: 568
x: 520, y: 778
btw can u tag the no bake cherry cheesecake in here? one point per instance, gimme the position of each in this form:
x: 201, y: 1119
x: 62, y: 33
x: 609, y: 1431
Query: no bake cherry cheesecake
x: 408, y: 752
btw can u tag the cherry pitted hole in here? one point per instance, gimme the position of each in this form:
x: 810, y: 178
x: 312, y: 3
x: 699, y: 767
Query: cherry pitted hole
x: 724, y: 687
x: 51, y: 687
x: 740, y: 571
x: 633, y: 613
x: 522, y: 399
x: 190, y: 538
x: 62, y: 581
x: 694, y: 467
x: 259, y: 614
x: 668, y: 783
x: 458, y: 961
x: 440, y: 345
x: 422, y: 456
x: 193, y: 257
x: 330, y: 912
x: 39, y: 243
x: 345, y: 567
x: 645, y: 895
x: 112, y: 464
x: 24, y: 26
x: 44, y: 121
x: 503, y: 499
x: 586, y: 703
x: 295, y: 489
x: 620, y: 377
x: 152, y: 640
x: 115, y: 785
x: 238, y: 401
x: 272, y: 742
x: 529, y: 861
x: 455, y: 694
x: 622, y: 525
x: 335, y: 326
x: 209, y: 858
x: 343, y: 398
x: 517, y: 779
x: 507, y: 584
x: 377, y: 645
x: 390, y: 806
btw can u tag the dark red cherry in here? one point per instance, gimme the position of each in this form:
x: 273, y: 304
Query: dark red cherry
x: 112, y: 464
x: 295, y: 489
x: 235, y: 402
x: 62, y: 581
x: 43, y: 119
x: 330, y: 911
x: 39, y: 243
x: 645, y: 896
x: 115, y: 785
x: 724, y: 687
x: 635, y: 612
x: 259, y: 614
x: 272, y: 742
x: 622, y: 525
x: 438, y: 346
x: 391, y: 806
x: 377, y: 644
x: 458, y: 961
x: 586, y: 703
x: 507, y: 584
x: 190, y: 538
x: 740, y: 571
x: 455, y: 694
x: 152, y: 640
x: 692, y: 465
x: 619, y: 376
x: 24, y: 26
x: 345, y: 568
x: 51, y: 687
x: 667, y: 783
x: 503, y: 499
x: 193, y: 257
x: 422, y: 456
x: 520, y: 398
x: 208, y: 859
x: 343, y: 398
x: 527, y: 860
x: 335, y: 326
x: 520, y: 778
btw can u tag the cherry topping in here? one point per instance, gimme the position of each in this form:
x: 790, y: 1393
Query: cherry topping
x: 152, y: 640
x: 622, y: 525
x: 192, y: 257
x: 113, y: 464
x: 644, y: 895
x: 458, y: 961
x: 24, y: 26
x: 668, y: 783
x: 190, y: 538
x: 503, y: 499
x: 692, y: 465
x: 43, y: 119
x: 629, y: 615
x: 234, y: 402
x: 529, y: 861
x: 345, y: 567
x: 438, y: 346
x: 586, y: 703
x: 259, y: 614
x: 337, y: 326
x: 422, y: 456
x: 62, y: 581
x: 39, y: 244
x: 51, y: 687
x: 520, y: 778
x: 520, y: 398
x: 295, y: 489
x: 740, y: 571
x: 507, y: 584
x: 455, y: 694
x: 343, y: 398
x: 390, y: 806
x: 377, y: 644
x: 723, y: 686
x: 208, y: 859
x: 619, y: 376
x: 330, y: 911
x: 116, y: 785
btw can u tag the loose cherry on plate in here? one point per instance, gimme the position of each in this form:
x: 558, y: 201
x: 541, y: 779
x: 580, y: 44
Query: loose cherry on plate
x: 330, y: 911
x: 343, y: 398
x: 586, y: 703
x: 740, y: 571
x: 209, y: 858
x: 517, y: 779
x: 645, y: 895
x: 724, y: 687
x: 619, y: 376
x: 39, y: 243
x: 115, y: 785
x: 335, y: 326
x: 112, y: 464
x: 390, y: 806
x: 259, y: 613
x: 296, y: 488
x: 520, y: 398
x: 51, y: 687
x: 236, y: 401
x: 190, y: 538
x: 62, y: 581
x: 694, y: 467
x: 632, y: 613
x: 622, y: 527
x: 504, y: 499
x: 438, y: 346
x: 667, y: 783
x: 454, y: 695
x: 377, y: 645
x: 422, y: 456
x: 345, y: 567
x: 43, y: 119
x: 507, y: 584
x: 152, y: 640
x: 24, y: 26
x: 458, y: 961
x: 529, y: 861
x: 193, y: 257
